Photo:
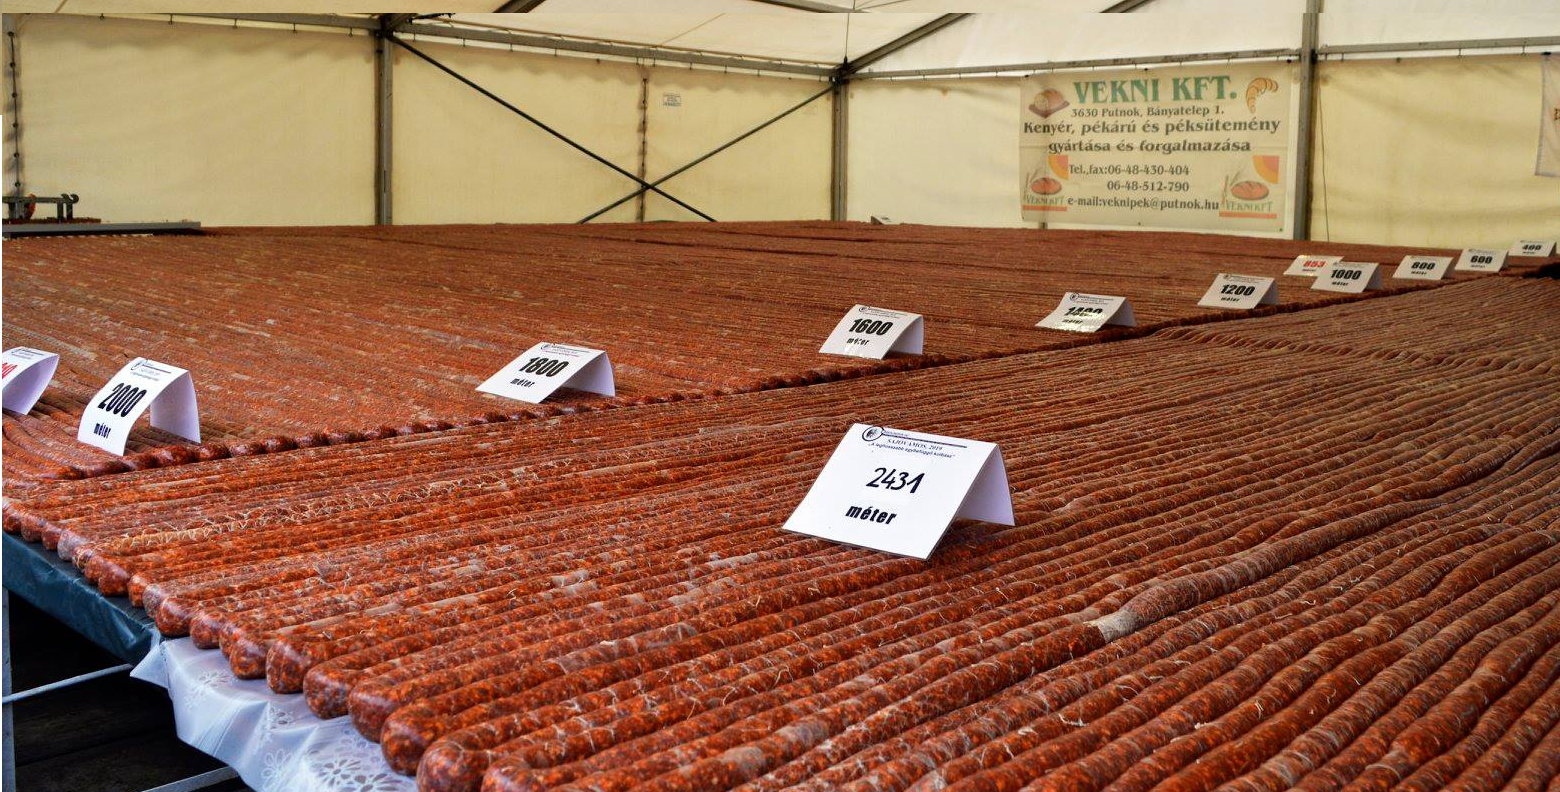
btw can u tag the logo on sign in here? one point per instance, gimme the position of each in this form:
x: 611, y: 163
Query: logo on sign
x: 871, y: 433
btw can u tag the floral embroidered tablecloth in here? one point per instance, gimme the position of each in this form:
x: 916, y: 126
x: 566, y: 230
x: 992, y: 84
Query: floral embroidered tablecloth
x: 272, y: 740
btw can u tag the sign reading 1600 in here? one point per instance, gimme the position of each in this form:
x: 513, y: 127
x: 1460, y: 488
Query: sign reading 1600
x: 871, y: 326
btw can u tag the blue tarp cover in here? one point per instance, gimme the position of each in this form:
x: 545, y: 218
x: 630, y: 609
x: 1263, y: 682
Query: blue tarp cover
x: 55, y: 586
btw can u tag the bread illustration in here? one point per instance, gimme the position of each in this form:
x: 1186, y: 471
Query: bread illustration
x: 1256, y: 88
x: 1249, y: 190
x: 1047, y: 102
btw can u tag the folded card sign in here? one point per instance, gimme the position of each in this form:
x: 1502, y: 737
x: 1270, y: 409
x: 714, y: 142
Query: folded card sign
x: 897, y: 491
x: 167, y: 390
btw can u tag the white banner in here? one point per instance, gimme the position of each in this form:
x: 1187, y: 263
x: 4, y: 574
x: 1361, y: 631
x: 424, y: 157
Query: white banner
x: 1202, y: 147
x: 1549, y: 121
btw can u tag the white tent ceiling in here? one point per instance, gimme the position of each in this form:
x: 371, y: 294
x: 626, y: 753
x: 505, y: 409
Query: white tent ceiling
x: 1001, y: 33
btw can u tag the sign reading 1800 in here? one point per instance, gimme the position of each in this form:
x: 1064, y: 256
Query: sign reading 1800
x: 1186, y: 147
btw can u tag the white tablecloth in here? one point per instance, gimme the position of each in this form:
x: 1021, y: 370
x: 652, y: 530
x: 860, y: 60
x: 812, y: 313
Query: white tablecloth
x: 272, y: 740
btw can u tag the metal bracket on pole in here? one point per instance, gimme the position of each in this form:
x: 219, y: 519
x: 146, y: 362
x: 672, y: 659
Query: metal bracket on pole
x: 542, y: 126
x: 1300, y: 217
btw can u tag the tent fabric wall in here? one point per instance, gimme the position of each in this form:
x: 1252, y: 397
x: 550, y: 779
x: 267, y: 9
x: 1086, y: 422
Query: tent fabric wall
x: 458, y: 157
x: 1430, y: 151
x: 152, y: 121
x: 264, y: 126
x: 780, y: 173
x: 938, y: 151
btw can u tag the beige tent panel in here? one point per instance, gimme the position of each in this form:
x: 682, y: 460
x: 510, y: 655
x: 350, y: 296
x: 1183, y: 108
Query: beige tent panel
x: 152, y: 121
x: 780, y: 173
x: 1431, y: 151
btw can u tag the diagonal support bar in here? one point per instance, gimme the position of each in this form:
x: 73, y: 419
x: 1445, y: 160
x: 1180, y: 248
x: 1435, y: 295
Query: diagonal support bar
x: 850, y: 67
x: 809, y: 5
x: 728, y: 144
x: 544, y: 127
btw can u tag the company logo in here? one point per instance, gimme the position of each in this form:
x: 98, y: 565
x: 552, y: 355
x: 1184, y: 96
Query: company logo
x: 871, y: 433
x: 1256, y: 88
x: 870, y: 514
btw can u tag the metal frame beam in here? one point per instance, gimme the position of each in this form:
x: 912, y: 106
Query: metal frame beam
x: 416, y: 27
x: 1422, y: 46
x: 518, y: 6
x: 1300, y: 212
x: 954, y: 71
x: 535, y: 41
x: 849, y: 68
x: 316, y: 20
x: 542, y: 126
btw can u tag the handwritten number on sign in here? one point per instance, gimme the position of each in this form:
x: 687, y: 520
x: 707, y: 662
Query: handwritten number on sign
x: 891, y: 479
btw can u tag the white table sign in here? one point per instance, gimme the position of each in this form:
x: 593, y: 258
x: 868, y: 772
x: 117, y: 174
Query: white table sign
x: 167, y: 390
x: 1479, y: 260
x: 897, y: 491
x: 1086, y: 313
x: 874, y: 332
x: 547, y: 367
x: 24, y: 375
x: 1310, y: 265
x: 1532, y: 247
x: 1423, y: 267
x: 1242, y: 292
x: 1349, y: 277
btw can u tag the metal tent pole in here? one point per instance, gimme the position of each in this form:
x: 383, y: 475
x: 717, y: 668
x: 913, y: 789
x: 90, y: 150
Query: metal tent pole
x: 545, y: 128
x: 839, y: 180
x: 718, y: 149
x: 384, y: 115
x: 1300, y: 213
